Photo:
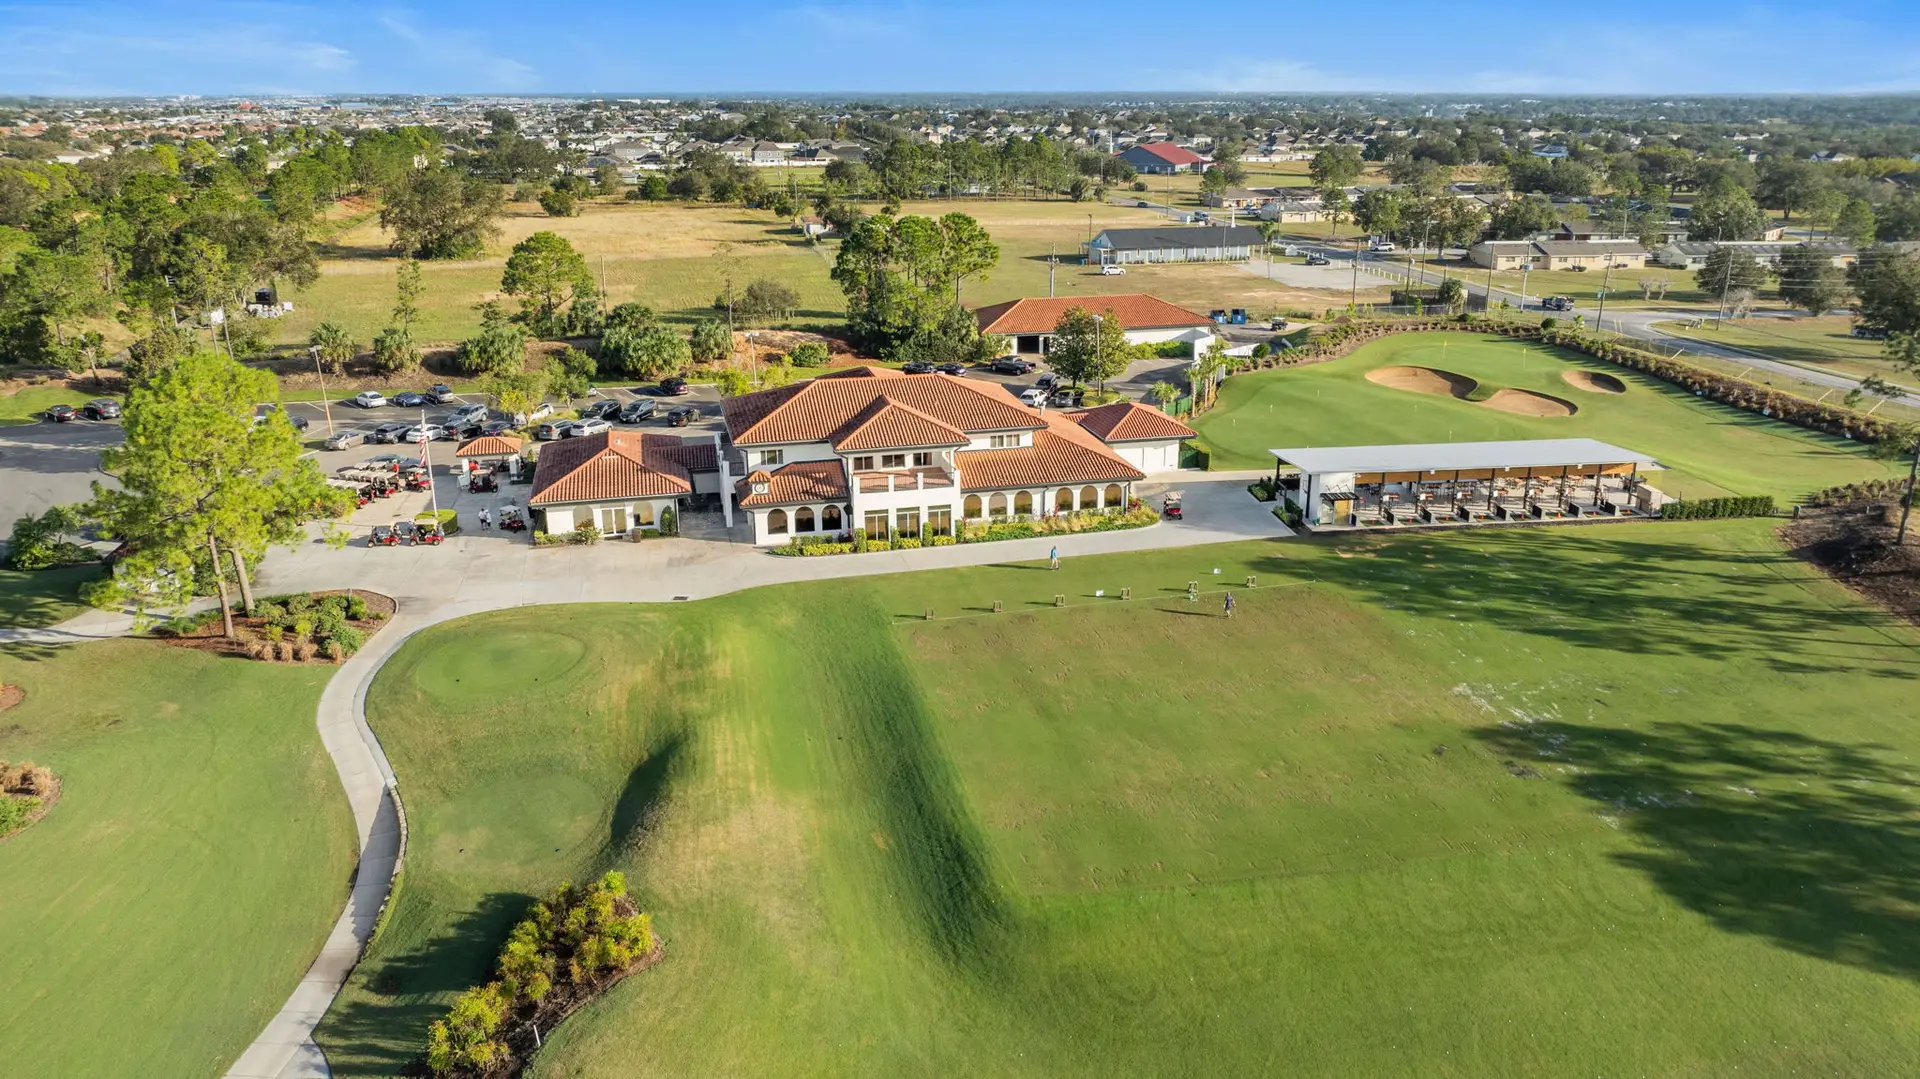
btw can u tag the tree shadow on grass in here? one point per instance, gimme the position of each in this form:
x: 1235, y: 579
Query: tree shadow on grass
x: 1807, y: 842
x: 641, y: 800
x: 1620, y: 594
x: 378, y: 1029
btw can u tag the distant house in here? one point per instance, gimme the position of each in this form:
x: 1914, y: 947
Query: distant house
x: 1029, y: 323
x: 767, y: 153
x: 1237, y: 198
x: 815, y: 226
x: 1162, y: 158
x: 1692, y: 254
x: 1502, y: 254
x: 1829, y: 156
x: 1198, y: 243
x: 1557, y: 254
x: 1552, y: 152
x: 1292, y: 211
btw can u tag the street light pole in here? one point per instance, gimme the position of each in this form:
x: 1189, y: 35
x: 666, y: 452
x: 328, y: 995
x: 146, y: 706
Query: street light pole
x: 326, y: 403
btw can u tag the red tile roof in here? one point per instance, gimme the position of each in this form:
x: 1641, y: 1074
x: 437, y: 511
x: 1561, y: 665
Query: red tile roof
x: 489, y: 446
x: 829, y: 408
x: 801, y: 481
x: 1124, y: 421
x: 1134, y: 310
x: 1063, y: 453
x: 618, y: 464
x: 1171, y: 154
x: 890, y: 425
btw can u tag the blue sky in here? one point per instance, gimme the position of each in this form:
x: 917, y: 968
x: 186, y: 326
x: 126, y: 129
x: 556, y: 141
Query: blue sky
x: 480, y: 46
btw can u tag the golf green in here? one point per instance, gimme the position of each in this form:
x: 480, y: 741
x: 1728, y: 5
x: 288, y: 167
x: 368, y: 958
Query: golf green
x: 199, y: 854
x: 1709, y: 449
x: 1632, y: 800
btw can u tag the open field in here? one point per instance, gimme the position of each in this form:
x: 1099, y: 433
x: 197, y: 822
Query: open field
x: 1461, y: 805
x: 198, y: 856
x: 1709, y: 449
x: 1825, y: 343
x: 42, y: 597
x: 664, y: 255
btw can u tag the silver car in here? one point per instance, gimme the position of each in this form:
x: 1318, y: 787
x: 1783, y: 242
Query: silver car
x: 345, y: 440
x: 593, y: 426
x: 428, y: 432
x: 369, y: 399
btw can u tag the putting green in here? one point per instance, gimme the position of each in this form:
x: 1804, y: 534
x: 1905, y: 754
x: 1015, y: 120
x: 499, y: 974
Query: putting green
x: 535, y: 657
x: 1709, y: 449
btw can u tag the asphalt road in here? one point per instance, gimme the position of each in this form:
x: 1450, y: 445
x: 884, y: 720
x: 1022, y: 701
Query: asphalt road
x: 49, y: 464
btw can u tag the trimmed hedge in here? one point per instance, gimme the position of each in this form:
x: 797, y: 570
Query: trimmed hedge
x: 1700, y: 509
x: 1137, y: 515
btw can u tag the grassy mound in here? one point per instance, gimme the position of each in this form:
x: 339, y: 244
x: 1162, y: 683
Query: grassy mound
x: 1480, y: 786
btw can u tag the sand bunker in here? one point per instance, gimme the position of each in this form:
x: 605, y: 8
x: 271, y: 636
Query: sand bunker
x: 1529, y: 403
x: 1423, y: 380
x: 1593, y: 382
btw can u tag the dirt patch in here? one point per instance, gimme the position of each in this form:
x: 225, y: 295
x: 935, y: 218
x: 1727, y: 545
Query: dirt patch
x: 10, y: 696
x: 248, y: 631
x: 1593, y: 382
x: 1423, y: 380
x: 1854, y: 545
x: 1529, y: 403
x: 24, y: 781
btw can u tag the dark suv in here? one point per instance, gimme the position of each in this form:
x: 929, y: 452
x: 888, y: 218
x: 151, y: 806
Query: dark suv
x: 600, y: 408
x: 674, y: 386
x: 1011, y: 365
x: 635, y: 411
x: 102, y: 409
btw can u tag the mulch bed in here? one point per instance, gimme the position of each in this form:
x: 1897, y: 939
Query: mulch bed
x: 10, y: 696
x: 246, y: 630
x: 1854, y: 545
x: 47, y: 801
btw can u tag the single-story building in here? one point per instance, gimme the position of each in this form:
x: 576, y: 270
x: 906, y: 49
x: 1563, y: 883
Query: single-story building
x: 489, y: 452
x: 1238, y: 198
x: 1196, y: 243
x: 1589, y: 255
x: 1029, y: 323
x: 1337, y: 487
x: 1692, y: 254
x: 1144, y: 437
x: 1293, y: 211
x: 1162, y: 158
x: 621, y: 480
x: 1504, y: 254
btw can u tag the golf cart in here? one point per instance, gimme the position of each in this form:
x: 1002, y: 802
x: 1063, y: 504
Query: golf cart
x: 511, y: 521
x: 416, y: 479
x: 428, y: 532
x: 482, y: 482
x: 383, y: 537
x: 1170, y: 505
x: 405, y: 532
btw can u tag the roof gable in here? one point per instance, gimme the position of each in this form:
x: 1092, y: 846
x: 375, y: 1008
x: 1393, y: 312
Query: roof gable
x: 888, y: 424
x: 1135, y: 311
x: 617, y: 464
x: 828, y: 409
x: 1126, y: 421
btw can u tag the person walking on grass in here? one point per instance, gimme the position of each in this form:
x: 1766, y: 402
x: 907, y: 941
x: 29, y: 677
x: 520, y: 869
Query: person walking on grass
x: 1228, y: 604
x: 1053, y: 558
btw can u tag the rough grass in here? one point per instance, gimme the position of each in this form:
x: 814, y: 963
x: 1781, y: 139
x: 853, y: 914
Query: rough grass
x: 27, y: 404
x: 1457, y: 805
x: 42, y: 597
x: 1825, y: 344
x: 1709, y: 449
x: 164, y: 910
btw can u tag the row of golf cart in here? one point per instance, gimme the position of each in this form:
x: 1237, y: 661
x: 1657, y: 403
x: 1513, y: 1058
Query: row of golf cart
x: 410, y: 533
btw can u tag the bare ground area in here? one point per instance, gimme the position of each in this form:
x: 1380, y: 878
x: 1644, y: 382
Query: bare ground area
x: 1854, y: 544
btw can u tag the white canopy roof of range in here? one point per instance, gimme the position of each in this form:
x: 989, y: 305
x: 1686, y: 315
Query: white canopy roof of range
x: 1451, y: 456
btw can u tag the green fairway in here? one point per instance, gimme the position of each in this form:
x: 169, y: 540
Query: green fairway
x: 1549, y: 802
x: 198, y: 856
x: 42, y: 597
x: 1709, y: 449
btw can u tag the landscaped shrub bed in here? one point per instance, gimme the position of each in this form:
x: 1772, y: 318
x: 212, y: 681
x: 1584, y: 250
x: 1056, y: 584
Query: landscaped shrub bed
x: 299, y: 628
x: 27, y: 791
x: 1136, y: 515
x: 1711, y: 508
x: 1867, y: 491
x: 571, y: 947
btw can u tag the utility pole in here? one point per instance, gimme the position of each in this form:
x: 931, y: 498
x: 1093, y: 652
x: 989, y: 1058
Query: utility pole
x: 1726, y: 283
x: 1906, y: 504
x: 1353, y: 293
x: 1600, y: 320
x: 1525, y: 269
x: 326, y: 403
x: 1051, y: 263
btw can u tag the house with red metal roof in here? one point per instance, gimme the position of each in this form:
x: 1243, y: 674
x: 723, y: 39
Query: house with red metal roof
x: 895, y: 453
x: 1029, y: 322
x: 1162, y: 158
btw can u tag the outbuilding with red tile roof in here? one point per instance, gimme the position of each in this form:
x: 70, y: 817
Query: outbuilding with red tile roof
x: 620, y: 480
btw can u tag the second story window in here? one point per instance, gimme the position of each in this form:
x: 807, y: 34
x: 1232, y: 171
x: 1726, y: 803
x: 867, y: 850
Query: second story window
x: 773, y: 457
x: 863, y: 464
x: 893, y: 460
x: 1004, y: 442
x: 923, y: 460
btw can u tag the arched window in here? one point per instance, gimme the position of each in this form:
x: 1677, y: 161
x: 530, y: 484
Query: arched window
x: 997, y: 505
x: 830, y: 518
x: 1023, y: 502
x: 776, y: 521
x: 1114, y: 497
x: 1063, y: 500
x: 803, y: 519
x: 972, y: 508
x: 1089, y: 498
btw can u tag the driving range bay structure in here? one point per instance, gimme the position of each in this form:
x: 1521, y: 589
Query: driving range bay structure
x: 1463, y: 483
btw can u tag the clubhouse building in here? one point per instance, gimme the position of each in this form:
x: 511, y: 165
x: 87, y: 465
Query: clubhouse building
x: 1029, y: 323
x: 889, y: 452
x: 1463, y: 483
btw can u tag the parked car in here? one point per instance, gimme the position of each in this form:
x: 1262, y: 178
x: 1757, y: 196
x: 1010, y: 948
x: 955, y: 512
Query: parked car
x: 467, y: 418
x: 1381, y: 245
x: 1111, y: 270
x: 540, y: 412
x: 389, y: 432
x: 1557, y: 303
x: 1141, y: 203
x: 496, y: 427
x: 62, y: 413
x: 682, y: 416
x: 917, y: 367
x: 1066, y: 397
x: 344, y: 440
x: 441, y: 394
x: 386, y: 462
x: 104, y: 408
x: 635, y: 411
x: 1011, y: 365
x: 553, y: 430
x: 674, y: 386
x: 368, y: 399
x: 1277, y: 323
x: 409, y: 399
x: 954, y: 369
x: 600, y: 408
x: 1033, y: 397
x: 431, y: 432
x: 593, y: 425
x: 1317, y: 259
x: 383, y: 537
x: 1047, y: 381
x: 1870, y: 333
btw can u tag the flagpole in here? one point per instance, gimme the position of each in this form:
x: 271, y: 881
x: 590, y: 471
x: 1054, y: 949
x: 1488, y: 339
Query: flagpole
x: 426, y: 458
